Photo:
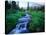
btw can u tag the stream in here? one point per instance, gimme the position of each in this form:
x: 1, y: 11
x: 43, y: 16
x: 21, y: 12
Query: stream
x: 21, y: 26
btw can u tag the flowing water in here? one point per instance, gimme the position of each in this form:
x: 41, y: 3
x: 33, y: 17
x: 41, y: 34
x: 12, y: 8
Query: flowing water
x: 21, y: 26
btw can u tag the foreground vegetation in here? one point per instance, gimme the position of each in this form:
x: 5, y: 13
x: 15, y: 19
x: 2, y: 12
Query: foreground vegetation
x: 37, y: 23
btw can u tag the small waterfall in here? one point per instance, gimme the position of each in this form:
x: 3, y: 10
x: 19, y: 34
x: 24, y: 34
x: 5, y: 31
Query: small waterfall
x: 21, y: 26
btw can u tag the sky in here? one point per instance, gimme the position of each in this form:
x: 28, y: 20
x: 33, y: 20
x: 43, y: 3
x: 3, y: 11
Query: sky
x: 23, y: 3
